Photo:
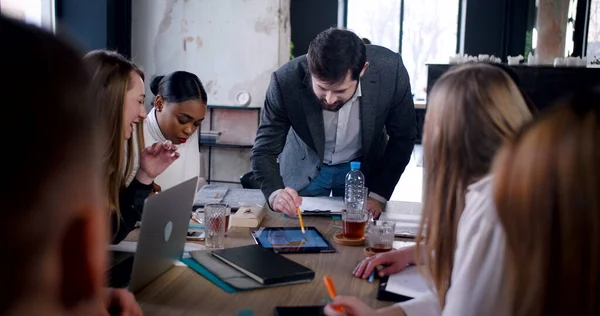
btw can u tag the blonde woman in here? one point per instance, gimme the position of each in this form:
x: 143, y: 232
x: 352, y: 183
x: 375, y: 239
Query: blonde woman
x: 472, y: 110
x: 547, y: 192
x: 118, y: 88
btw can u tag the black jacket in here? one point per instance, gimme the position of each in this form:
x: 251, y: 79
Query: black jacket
x: 131, y: 204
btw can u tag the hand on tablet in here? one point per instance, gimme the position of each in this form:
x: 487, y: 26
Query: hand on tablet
x: 286, y: 202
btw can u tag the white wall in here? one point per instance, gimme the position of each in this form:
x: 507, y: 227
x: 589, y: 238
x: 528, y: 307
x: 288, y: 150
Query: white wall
x: 232, y: 45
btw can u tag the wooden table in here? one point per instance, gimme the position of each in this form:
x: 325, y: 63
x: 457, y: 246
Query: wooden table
x: 182, y: 291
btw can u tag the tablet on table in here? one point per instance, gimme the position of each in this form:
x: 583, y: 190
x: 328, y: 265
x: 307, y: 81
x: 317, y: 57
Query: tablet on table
x: 291, y: 239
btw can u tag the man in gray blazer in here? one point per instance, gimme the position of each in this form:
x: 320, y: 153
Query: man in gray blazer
x: 343, y: 101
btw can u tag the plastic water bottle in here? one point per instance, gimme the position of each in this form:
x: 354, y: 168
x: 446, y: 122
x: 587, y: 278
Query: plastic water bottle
x: 355, y: 186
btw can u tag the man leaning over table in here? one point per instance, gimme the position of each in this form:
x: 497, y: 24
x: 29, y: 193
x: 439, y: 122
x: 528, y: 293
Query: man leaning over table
x: 341, y: 102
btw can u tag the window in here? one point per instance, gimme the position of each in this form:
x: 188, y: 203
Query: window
x: 593, y: 39
x: 379, y: 23
x: 429, y: 36
x: 429, y: 32
x: 36, y: 12
x: 570, y: 40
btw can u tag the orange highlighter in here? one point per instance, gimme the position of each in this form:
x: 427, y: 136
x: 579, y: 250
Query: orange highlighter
x: 300, y: 218
x: 331, y: 289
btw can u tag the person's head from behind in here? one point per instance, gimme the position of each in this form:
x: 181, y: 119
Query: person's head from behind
x: 118, y: 90
x: 336, y: 60
x: 547, y: 193
x: 53, y: 223
x: 180, y: 103
x: 471, y: 110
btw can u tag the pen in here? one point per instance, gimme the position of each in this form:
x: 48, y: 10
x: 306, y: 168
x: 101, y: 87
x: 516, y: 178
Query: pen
x: 300, y: 218
x: 331, y: 290
x: 372, y: 276
x: 195, y: 219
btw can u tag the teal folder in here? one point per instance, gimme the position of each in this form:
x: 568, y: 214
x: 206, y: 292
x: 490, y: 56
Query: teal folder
x: 194, y: 265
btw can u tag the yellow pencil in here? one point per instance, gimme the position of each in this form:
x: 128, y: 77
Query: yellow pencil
x: 300, y: 218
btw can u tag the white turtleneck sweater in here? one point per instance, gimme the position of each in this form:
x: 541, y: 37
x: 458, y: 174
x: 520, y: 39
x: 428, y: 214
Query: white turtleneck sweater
x: 190, y: 162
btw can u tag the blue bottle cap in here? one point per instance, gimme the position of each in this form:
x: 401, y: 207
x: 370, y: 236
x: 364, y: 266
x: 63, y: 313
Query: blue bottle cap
x: 355, y: 165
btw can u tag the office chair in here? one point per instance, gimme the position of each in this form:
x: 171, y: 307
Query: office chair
x: 248, y: 181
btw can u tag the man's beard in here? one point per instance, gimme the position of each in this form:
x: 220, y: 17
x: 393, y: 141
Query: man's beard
x: 336, y: 106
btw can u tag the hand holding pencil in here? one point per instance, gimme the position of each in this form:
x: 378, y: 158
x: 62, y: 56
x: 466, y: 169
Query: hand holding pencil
x: 331, y: 290
x: 351, y: 306
x: 286, y: 201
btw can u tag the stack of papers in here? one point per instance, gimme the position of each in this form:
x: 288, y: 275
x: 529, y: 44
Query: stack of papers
x: 210, y: 194
x: 407, y: 225
x: 233, y: 197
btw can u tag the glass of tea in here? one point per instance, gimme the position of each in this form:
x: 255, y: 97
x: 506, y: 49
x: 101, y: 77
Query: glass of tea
x: 354, y: 224
x: 380, y: 236
x: 227, y: 216
x: 215, y: 224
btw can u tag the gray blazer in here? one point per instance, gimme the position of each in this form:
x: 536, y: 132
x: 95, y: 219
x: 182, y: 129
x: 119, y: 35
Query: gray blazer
x: 290, y: 141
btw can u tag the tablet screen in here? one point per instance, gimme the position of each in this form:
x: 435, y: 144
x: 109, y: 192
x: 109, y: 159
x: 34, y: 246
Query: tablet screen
x: 291, y: 239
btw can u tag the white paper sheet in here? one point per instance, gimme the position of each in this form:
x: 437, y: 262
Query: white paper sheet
x: 323, y: 203
x: 407, y: 282
x: 398, y: 244
x: 406, y: 224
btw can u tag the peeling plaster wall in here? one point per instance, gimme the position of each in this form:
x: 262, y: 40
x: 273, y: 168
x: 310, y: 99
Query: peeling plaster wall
x: 232, y: 45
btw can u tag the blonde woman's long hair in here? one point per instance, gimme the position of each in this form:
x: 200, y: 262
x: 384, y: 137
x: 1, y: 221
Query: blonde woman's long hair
x: 547, y: 193
x: 472, y: 109
x: 111, y: 78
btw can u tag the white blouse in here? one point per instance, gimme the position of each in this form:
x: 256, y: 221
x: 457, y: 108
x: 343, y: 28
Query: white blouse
x: 478, y: 273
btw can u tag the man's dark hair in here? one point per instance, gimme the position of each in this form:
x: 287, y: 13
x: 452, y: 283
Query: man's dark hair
x: 333, y: 52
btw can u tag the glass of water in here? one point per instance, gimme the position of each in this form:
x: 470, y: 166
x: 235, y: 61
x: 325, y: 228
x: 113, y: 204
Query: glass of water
x: 215, y: 221
x: 380, y: 236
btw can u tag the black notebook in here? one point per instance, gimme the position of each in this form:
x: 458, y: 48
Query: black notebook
x: 317, y: 310
x: 264, y: 265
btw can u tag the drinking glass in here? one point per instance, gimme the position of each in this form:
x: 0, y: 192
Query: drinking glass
x: 380, y: 236
x: 215, y: 221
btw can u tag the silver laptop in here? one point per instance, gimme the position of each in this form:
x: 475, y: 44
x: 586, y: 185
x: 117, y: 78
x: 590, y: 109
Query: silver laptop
x: 163, y: 230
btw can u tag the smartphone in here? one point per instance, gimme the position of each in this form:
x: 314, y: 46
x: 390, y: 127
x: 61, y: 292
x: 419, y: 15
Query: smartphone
x: 195, y: 235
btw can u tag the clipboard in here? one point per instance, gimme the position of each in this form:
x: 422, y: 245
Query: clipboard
x: 322, y: 206
x: 383, y: 295
x: 407, y: 284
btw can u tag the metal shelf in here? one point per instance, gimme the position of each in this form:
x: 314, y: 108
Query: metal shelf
x: 210, y: 146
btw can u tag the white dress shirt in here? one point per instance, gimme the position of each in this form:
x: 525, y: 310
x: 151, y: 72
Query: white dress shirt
x: 342, y: 131
x: 478, y: 276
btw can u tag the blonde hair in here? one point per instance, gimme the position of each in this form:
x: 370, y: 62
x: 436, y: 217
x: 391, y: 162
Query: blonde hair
x: 549, y: 205
x: 111, y: 76
x: 472, y: 109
